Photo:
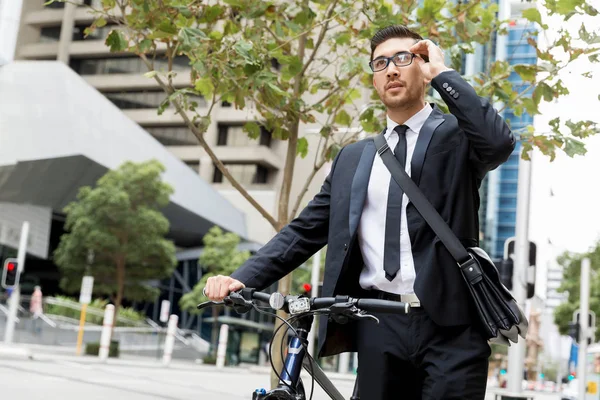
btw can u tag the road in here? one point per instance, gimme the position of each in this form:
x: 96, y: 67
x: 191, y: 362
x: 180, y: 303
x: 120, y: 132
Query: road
x: 50, y: 376
x: 70, y: 378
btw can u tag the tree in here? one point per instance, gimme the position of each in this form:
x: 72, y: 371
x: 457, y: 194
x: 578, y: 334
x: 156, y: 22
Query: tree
x: 571, y: 262
x: 120, y: 222
x: 220, y: 256
x: 305, y: 62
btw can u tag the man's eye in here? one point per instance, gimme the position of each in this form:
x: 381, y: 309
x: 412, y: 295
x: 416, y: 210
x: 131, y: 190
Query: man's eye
x: 379, y: 63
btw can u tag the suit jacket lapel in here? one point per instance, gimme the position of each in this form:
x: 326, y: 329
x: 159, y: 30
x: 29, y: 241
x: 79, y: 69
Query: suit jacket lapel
x: 433, y: 121
x: 360, y: 184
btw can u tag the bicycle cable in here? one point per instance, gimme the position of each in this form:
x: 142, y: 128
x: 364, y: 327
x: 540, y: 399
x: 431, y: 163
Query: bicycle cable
x: 288, y: 322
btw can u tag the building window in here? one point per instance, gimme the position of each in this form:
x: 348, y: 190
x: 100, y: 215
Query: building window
x: 234, y: 135
x: 49, y: 34
x: 173, y: 135
x: 246, y: 174
x: 123, y: 65
x: 194, y: 166
x: 133, y: 100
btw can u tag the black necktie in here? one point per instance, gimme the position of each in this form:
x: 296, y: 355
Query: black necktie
x: 391, y: 250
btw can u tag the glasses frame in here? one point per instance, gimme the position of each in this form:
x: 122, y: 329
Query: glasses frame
x: 390, y: 59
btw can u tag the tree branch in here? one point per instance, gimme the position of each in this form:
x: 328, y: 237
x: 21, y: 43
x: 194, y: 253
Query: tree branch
x: 277, y: 38
x: 321, y: 37
x: 199, y: 135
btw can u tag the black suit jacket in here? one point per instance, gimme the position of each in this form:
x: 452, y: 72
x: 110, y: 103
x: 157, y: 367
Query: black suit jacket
x: 452, y: 155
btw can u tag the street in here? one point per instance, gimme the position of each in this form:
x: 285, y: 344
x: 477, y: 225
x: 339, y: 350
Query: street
x: 68, y: 378
x: 52, y: 376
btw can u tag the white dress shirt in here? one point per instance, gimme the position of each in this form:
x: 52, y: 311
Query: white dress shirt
x: 371, y: 229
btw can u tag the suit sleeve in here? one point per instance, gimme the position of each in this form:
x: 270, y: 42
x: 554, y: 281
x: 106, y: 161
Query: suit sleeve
x: 293, y: 245
x: 491, y: 140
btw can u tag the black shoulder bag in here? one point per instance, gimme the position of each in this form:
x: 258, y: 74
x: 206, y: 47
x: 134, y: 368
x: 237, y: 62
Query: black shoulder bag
x: 502, y: 320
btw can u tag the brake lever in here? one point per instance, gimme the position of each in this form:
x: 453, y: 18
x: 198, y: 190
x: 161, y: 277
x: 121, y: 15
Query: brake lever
x: 364, y: 315
x: 342, y: 312
x: 207, y: 304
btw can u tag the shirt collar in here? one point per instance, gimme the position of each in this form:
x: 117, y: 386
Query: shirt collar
x: 414, y: 123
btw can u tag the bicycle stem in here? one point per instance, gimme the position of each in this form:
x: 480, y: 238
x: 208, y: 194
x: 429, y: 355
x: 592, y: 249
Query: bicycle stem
x: 296, y: 353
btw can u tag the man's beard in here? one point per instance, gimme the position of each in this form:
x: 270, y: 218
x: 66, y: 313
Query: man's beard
x: 402, y: 101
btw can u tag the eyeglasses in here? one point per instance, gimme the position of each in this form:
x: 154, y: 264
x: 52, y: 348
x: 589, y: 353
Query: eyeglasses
x: 401, y: 59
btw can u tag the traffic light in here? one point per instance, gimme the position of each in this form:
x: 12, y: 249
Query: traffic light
x: 307, y: 289
x: 10, y: 273
x: 574, y: 331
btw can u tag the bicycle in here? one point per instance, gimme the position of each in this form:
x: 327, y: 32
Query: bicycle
x: 302, y: 310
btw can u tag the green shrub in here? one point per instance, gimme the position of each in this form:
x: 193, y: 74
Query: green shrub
x: 97, y: 315
x: 93, y: 348
x: 209, y: 359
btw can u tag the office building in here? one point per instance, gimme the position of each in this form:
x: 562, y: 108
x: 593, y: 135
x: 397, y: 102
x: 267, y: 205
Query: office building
x: 498, y: 211
x: 256, y: 164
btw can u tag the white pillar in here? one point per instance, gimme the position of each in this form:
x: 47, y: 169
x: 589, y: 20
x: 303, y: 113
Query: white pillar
x: 314, y: 282
x: 66, y: 32
x: 222, y: 348
x: 516, y: 352
x: 13, y: 306
x: 170, y: 339
x: 344, y: 362
x: 584, y: 310
x: 109, y: 313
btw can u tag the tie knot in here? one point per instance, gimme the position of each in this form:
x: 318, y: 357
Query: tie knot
x: 401, y: 129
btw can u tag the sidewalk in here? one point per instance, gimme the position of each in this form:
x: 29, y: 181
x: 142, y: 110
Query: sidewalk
x: 52, y: 353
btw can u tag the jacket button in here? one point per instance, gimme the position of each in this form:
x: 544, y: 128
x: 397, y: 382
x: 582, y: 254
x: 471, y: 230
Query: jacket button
x: 345, y: 247
x: 445, y: 85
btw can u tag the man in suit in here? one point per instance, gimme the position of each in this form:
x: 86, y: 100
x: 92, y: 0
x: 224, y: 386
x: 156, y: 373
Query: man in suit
x: 379, y: 246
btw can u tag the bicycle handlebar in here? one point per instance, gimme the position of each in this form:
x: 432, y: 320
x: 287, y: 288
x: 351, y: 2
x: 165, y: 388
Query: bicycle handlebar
x: 299, y: 304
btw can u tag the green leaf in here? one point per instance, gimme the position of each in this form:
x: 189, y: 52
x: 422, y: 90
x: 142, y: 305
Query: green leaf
x: 191, y: 36
x: 205, y: 87
x: 547, y: 91
x: 527, y: 72
x: 326, y: 131
x: 530, y: 106
x: 343, y: 38
x: 167, y: 27
x: 100, y: 22
x: 116, y: 41
x: 252, y: 129
x: 574, y: 147
x: 302, y: 148
x: 150, y: 74
x: 343, y: 118
x: 533, y: 15
x: 145, y: 45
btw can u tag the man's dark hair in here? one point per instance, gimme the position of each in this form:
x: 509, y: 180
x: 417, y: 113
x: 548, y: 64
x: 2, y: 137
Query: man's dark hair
x: 391, y: 32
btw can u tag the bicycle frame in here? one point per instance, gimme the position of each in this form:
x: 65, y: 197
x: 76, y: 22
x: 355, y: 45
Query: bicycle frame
x: 290, y: 375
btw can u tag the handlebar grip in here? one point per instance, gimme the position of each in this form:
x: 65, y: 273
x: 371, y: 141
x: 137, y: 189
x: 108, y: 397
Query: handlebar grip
x: 262, y: 296
x: 383, y: 306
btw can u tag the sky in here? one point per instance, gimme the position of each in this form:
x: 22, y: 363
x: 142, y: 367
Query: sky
x: 565, y: 193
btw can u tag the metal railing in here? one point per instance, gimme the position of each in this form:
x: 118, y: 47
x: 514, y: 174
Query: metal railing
x: 134, y: 336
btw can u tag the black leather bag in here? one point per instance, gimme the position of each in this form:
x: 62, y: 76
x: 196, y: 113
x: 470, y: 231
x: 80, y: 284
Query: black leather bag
x: 502, y: 320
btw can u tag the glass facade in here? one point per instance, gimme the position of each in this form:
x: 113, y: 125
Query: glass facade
x: 173, y: 135
x: 133, y: 100
x: 246, y: 174
x: 123, y: 65
x: 234, y: 135
x: 501, y: 207
x: 49, y: 34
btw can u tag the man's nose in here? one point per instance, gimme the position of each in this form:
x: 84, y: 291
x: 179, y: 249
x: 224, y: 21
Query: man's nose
x: 392, y: 70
